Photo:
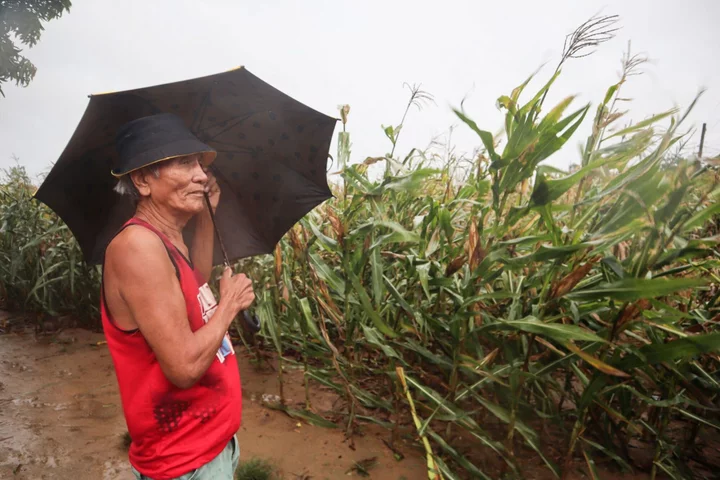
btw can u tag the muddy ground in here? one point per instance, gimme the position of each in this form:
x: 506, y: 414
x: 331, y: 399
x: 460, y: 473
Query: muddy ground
x: 61, y: 418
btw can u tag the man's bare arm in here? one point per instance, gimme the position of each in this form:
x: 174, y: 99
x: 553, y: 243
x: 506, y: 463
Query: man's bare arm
x: 203, y: 241
x: 202, y: 245
x: 149, y: 287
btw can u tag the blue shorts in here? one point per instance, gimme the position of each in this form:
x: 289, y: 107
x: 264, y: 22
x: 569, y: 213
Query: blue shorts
x: 221, y: 467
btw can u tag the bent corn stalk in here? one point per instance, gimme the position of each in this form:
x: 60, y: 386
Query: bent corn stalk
x: 433, y: 470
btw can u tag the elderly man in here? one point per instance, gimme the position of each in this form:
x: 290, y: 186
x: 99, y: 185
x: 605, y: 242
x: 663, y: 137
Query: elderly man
x: 175, y: 366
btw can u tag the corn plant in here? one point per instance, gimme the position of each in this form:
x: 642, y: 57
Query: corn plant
x: 524, y: 303
x: 42, y: 271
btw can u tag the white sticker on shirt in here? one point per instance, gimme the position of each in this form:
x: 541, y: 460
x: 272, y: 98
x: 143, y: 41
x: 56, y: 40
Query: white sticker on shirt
x: 208, y: 306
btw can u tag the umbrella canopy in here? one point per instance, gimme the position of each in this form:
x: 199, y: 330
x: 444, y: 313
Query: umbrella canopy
x: 271, y: 160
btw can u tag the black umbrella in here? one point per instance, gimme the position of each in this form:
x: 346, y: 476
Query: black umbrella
x: 271, y: 162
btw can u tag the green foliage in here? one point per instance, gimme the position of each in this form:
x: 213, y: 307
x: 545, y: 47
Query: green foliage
x: 21, y: 21
x: 41, y: 265
x: 517, y: 297
x: 255, y: 469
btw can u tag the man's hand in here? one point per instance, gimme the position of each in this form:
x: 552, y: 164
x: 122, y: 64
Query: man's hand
x: 236, y: 291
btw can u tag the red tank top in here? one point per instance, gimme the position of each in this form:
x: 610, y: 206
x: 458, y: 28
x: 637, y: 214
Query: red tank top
x: 173, y: 430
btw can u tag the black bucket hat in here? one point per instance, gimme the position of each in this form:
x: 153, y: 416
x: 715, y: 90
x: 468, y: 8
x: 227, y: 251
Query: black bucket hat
x: 154, y: 139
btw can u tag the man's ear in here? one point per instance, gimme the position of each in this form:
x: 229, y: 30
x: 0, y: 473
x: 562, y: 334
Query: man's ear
x: 140, y: 179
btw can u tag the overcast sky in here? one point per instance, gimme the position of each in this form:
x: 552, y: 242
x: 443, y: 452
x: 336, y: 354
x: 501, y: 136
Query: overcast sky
x: 327, y: 53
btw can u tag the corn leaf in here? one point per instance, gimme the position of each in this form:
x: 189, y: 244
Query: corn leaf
x: 360, y: 291
x: 631, y: 289
x: 556, y: 331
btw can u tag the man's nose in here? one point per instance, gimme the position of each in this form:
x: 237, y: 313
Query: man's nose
x: 199, y: 173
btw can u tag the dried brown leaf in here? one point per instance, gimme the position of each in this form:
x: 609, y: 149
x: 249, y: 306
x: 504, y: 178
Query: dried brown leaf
x: 278, y: 262
x: 455, y: 265
x: 373, y: 160
x: 337, y: 226
x: 597, y: 363
x: 473, y: 248
x: 632, y: 311
x: 572, y: 279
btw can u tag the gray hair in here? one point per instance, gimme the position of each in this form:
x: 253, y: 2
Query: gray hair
x: 125, y: 185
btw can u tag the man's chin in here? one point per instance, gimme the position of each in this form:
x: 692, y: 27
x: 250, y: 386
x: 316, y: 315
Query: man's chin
x: 193, y: 208
x: 199, y: 207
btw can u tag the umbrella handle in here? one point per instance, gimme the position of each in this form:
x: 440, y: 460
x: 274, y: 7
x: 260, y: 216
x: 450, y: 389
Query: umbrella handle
x: 217, y: 233
x: 251, y: 320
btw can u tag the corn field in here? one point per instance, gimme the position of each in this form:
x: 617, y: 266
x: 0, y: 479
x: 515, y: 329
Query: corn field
x: 497, y: 310
x: 41, y: 268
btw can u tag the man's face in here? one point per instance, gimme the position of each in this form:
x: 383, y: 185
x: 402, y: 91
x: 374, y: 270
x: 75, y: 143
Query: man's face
x: 180, y: 184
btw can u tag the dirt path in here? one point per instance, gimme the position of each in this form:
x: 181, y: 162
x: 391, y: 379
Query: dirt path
x: 61, y: 418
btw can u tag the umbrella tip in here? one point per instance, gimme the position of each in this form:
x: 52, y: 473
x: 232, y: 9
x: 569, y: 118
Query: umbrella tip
x: 236, y: 68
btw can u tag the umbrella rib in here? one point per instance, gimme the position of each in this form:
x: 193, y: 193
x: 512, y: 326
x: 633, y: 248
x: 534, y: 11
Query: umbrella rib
x: 239, y: 121
x: 200, y: 112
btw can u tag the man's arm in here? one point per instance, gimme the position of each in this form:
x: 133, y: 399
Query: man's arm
x: 203, y: 242
x: 149, y: 287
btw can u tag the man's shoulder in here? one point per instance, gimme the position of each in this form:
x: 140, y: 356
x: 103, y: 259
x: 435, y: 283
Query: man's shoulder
x: 134, y: 242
